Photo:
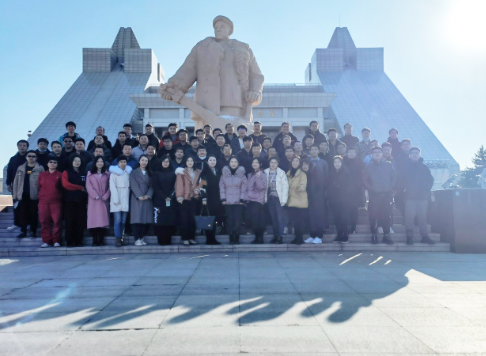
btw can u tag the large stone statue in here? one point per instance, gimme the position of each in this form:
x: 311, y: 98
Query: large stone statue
x: 229, y: 81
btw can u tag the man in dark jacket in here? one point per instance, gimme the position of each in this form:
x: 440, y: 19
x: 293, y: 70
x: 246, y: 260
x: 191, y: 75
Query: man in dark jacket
x: 357, y: 198
x: 230, y: 133
x: 183, y: 140
x: 348, y: 137
x: 192, y: 150
x: 100, y: 142
x: 117, y: 149
x: 316, y: 134
x: 245, y: 155
x: 394, y: 141
x: 62, y: 159
x: 278, y: 140
x: 132, y: 140
x: 333, y: 142
x: 401, y: 158
x: 258, y: 136
x: 42, y: 152
x: 100, y: 131
x: 16, y: 161
x: 417, y: 182
x: 86, y: 156
x: 237, y: 143
x: 167, y: 148
x: 150, y: 132
x: 379, y: 178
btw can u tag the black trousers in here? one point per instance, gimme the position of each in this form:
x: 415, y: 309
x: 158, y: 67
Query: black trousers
x: 256, y: 214
x: 341, y: 217
x: 28, y: 214
x: 164, y: 234
x: 189, y: 209
x: 379, y: 210
x: 75, y: 214
x: 298, y: 217
x: 140, y: 230
x: 234, y: 216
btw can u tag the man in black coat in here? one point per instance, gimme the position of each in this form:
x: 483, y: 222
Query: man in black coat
x: 100, y: 131
x: 379, y: 178
x: 258, y: 136
x: 357, y: 198
x: 348, y: 137
x: 17, y: 160
x: 278, y: 141
x: 42, y: 152
x: 167, y: 148
x: 117, y: 149
x: 230, y: 133
x: 316, y: 134
x: 245, y: 155
x: 86, y: 157
x: 417, y: 182
x: 150, y: 132
x: 394, y: 141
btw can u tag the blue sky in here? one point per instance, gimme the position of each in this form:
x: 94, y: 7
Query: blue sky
x: 435, y: 50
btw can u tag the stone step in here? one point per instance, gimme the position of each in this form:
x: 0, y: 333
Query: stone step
x: 244, y: 239
x: 155, y: 249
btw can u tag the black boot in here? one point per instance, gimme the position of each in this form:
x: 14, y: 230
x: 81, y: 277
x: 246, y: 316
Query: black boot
x: 118, y: 243
x: 95, y: 239
x: 387, y: 240
x: 427, y: 240
x: 232, y: 238
x: 101, y: 239
x: 223, y: 231
x: 274, y: 240
x: 410, y: 237
x: 237, y: 239
x: 279, y: 240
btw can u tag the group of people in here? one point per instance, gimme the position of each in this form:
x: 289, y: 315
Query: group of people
x: 238, y: 178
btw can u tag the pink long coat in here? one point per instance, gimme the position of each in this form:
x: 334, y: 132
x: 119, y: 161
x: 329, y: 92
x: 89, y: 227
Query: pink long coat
x: 98, y: 209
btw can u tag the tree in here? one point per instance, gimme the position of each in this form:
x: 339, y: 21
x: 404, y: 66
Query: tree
x: 470, y: 176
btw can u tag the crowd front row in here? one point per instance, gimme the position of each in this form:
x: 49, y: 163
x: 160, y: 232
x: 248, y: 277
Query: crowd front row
x: 159, y: 192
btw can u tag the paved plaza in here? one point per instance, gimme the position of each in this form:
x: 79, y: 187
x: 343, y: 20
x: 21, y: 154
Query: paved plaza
x: 390, y: 303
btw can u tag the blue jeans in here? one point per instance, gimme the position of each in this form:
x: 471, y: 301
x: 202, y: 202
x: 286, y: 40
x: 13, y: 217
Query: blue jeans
x: 277, y: 214
x: 120, y: 219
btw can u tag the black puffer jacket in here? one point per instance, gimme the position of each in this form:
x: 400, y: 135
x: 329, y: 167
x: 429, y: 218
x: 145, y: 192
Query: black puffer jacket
x: 416, y: 180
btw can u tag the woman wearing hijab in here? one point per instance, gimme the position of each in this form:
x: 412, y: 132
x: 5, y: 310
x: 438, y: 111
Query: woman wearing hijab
x: 256, y: 189
x: 316, y: 192
x: 297, y: 202
x: 188, y: 195
x: 210, y: 194
x: 232, y: 190
x: 165, y: 204
x: 141, y: 207
x: 338, y: 191
x: 98, y: 188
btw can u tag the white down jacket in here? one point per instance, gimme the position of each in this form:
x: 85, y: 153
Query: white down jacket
x: 282, y: 185
x: 120, y: 190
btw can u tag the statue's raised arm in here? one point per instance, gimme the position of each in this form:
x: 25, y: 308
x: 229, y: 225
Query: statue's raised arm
x: 229, y: 81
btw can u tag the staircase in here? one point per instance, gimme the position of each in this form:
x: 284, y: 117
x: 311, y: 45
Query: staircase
x: 12, y: 246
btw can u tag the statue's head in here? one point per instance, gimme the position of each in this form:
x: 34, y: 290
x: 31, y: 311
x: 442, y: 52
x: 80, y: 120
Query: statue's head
x: 223, y: 27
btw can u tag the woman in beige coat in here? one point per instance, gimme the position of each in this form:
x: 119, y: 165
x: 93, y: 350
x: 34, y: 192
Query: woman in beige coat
x: 188, y: 195
x: 297, y: 201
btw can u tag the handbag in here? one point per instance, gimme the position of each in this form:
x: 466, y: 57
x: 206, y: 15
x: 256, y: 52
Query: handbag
x: 205, y: 222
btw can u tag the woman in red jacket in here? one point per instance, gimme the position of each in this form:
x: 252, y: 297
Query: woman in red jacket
x: 50, y: 204
x: 75, y: 201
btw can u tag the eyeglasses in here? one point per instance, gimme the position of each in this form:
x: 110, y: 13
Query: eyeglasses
x: 68, y: 141
x: 31, y: 156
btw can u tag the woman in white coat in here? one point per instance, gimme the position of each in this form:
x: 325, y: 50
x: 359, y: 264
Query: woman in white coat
x: 120, y: 194
x: 276, y: 198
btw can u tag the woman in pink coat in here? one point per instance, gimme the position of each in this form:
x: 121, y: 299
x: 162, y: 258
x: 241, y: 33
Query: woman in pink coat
x: 256, y: 189
x: 98, y: 188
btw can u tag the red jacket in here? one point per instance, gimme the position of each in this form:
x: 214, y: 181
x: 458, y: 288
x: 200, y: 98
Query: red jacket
x: 50, y: 187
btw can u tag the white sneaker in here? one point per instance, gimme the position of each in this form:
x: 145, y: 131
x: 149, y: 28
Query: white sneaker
x: 380, y: 230
x: 286, y: 230
x: 138, y: 242
x: 143, y: 241
x: 45, y: 245
x: 391, y: 231
x: 10, y: 228
x: 317, y: 240
x: 57, y: 244
x: 309, y: 240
